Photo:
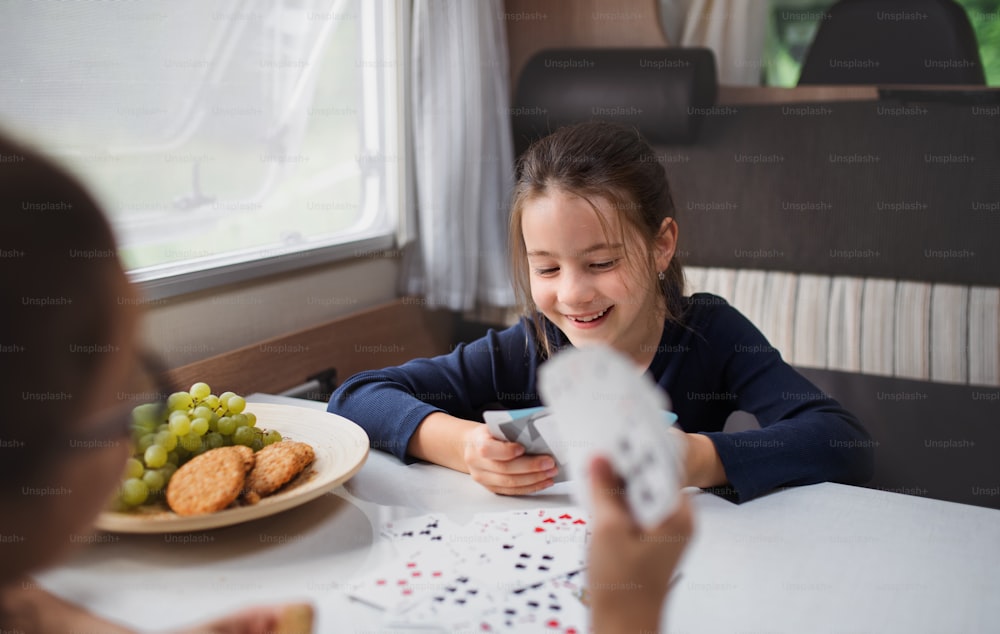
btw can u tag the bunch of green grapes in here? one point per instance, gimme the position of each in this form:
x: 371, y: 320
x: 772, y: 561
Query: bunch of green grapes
x: 191, y: 423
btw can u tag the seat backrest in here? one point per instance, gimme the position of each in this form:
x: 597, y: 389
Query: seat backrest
x: 859, y: 237
x: 894, y: 42
x: 663, y: 92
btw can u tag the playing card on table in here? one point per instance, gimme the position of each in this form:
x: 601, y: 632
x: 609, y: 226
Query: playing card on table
x: 403, y: 581
x: 559, y: 524
x: 551, y: 606
x: 526, y: 559
x: 419, y: 530
x: 456, y: 605
x: 601, y: 401
x: 530, y: 428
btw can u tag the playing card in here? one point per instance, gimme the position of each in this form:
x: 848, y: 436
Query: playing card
x: 421, y: 529
x: 600, y: 399
x: 568, y: 526
x: 405, y: 580
x: 455, y: 606
x: 530, y: 428
x: 550, y: 606
x: 526, y: 559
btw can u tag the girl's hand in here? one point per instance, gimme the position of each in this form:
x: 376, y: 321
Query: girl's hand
x: 502, y: 467
x: 629, y: 569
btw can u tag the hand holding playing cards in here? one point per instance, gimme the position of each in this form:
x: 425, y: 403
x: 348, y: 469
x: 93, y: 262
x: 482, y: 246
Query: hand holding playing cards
x: 503, y: 467
x: 630, y: 569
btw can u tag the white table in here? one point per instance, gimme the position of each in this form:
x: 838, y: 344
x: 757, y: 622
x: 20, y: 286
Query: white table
x: 823, y: 558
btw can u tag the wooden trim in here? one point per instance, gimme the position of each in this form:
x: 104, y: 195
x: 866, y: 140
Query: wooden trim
x: 533, y: 25
x: 762, y: 95
x: 383, y: 336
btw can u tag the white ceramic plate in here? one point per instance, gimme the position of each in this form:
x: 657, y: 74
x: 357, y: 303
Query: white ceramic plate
x: 341, y: 449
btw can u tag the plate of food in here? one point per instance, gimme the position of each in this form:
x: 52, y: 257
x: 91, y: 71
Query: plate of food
x: 319, y: 452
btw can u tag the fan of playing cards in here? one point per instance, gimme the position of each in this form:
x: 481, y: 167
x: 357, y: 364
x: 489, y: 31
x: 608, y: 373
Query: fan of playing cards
x: 602, y: 404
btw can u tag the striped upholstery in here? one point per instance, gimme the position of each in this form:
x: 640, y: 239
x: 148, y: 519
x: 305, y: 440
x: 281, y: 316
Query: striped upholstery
x: 933, y: 332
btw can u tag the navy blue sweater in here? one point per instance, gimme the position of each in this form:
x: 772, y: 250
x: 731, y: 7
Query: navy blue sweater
x: 714, y: 363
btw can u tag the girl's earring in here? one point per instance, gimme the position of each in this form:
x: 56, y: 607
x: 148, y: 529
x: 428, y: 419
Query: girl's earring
x: 662, y: 276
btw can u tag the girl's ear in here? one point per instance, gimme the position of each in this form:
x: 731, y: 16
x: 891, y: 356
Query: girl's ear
x: 665, y: 243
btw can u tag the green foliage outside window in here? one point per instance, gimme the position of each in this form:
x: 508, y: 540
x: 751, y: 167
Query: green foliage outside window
x: 793, y: 26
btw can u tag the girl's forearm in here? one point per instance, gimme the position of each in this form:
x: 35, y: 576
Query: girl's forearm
x: 703, y: 466
x: 440, y: 438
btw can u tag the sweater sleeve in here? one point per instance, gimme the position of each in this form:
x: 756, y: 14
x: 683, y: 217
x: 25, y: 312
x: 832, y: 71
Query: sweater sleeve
x: 390, y: 403
x: 805, y: 437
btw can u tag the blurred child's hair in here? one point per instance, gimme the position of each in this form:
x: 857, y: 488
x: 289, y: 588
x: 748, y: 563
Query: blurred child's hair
x: 58, y: 290
x: 598, y: 159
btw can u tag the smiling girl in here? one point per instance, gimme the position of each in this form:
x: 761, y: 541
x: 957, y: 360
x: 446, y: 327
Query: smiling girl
x: 593, y: 242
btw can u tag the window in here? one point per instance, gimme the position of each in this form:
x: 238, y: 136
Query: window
x: 794, y: 23
x: 224, y: 139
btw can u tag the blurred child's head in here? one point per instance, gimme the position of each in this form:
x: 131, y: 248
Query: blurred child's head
x: 586, y: 185
x: 68, y: 324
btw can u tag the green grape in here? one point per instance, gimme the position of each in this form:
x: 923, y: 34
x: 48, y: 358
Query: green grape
x: 167, y: 472
x: 224, y: 399
x: 213, y: 423
x: 146, y: 414
x: 134, y: 491
x: 241, y: 420
x: 272, y: 437
x: 190, y: 442
x: 203, y: 412
x: 251, y: 419
x: 227, y: 426
x: 200, y: 391
x: 154, y: 480
x: 179, y: 401
x: 236, y: 404
x: 199, y: 426
x: 167, y: 439
x: 173, y: 458
x: 162, y: 427
x: 257, y: 444
x: 211, y: 401
x: 155, y: 456
x: 244, y: 436
x: 213, y: 440
x: 180, y: 425
x: 143, y: 428
x: 145, y: 442
x: 134, y: 468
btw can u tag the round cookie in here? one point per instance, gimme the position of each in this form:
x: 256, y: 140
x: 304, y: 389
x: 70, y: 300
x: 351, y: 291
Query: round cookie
x: 209, y: 482
x: 275, y: 465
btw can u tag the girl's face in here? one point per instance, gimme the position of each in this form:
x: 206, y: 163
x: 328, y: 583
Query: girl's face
x: 582, y: 282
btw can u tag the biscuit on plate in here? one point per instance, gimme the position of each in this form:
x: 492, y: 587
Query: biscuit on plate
x: 211, y: 481
x: 275, y: 465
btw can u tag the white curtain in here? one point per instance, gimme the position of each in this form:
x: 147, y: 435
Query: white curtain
x: 462, y: 155
x: 735, y: 30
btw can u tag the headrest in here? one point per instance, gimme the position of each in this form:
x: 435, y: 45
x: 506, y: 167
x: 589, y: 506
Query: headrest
x: 663, y: 92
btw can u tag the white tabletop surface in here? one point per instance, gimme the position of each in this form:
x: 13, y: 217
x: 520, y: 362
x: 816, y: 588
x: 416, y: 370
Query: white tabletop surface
x: 822, y: 558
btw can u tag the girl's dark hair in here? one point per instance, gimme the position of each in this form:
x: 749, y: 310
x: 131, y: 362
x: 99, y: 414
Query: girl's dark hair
x: 59, y: 279
x: 592, y: 160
